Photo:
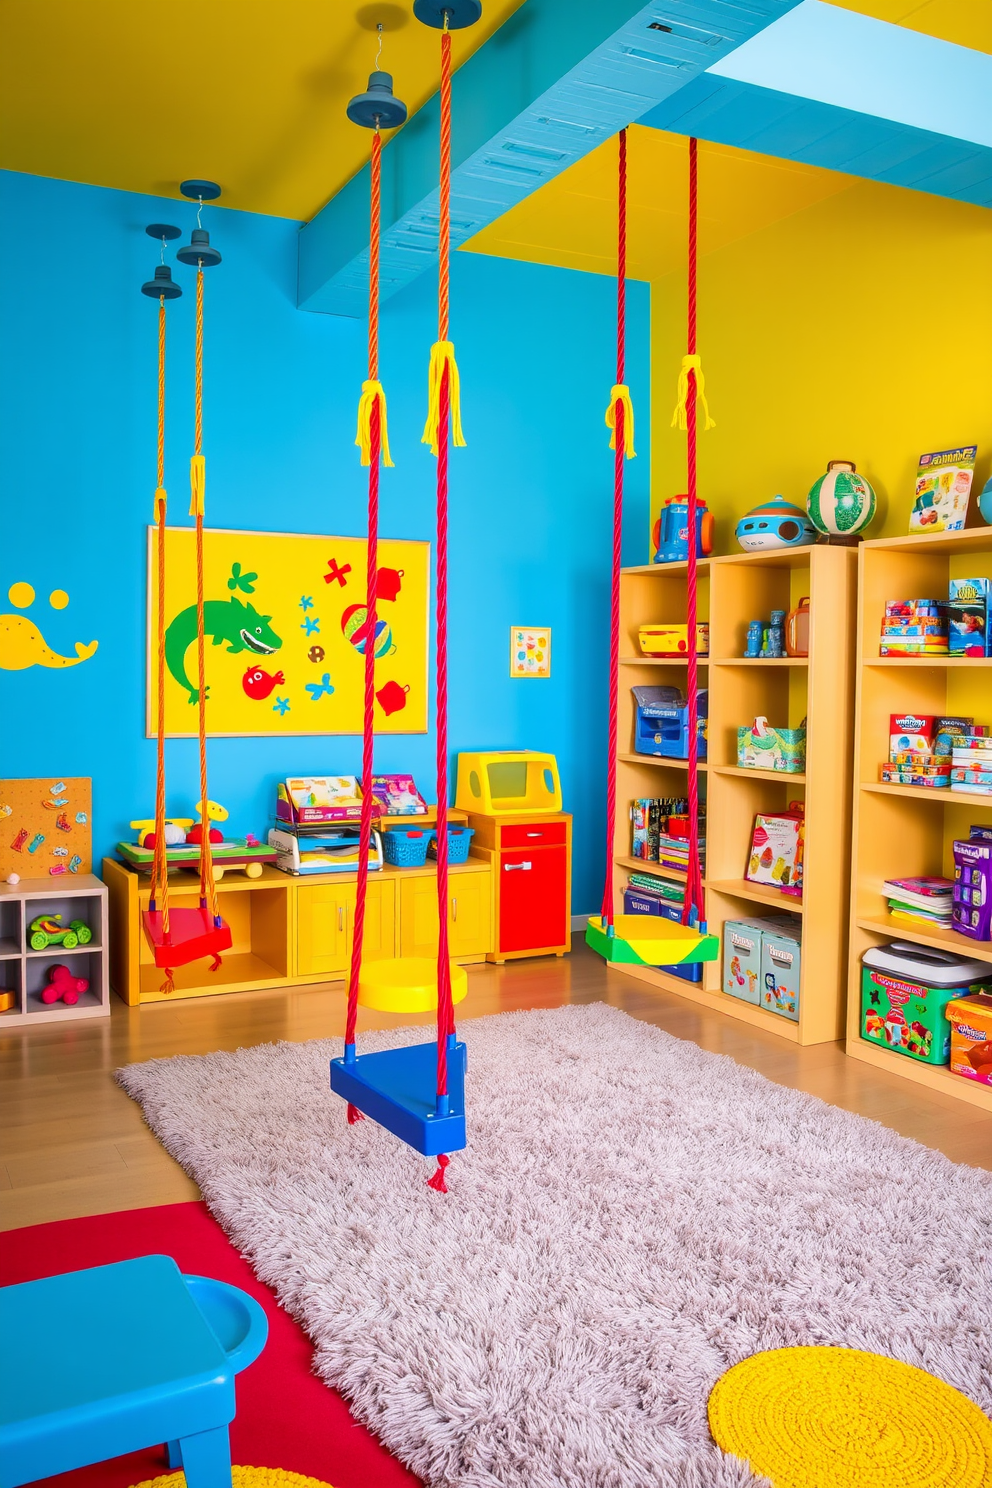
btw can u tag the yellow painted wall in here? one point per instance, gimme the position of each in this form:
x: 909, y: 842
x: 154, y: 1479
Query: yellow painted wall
x: 858, y: 328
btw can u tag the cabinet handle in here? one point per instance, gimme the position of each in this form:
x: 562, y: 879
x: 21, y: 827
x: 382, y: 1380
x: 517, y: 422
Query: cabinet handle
x: 454, y: 909
x: 516, y: 867
x: 340, y: 916
x: 535, y: 834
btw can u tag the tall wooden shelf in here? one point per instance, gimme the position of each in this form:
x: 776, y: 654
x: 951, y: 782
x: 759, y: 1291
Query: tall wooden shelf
x: 902, y: 830
x: 733, y: 591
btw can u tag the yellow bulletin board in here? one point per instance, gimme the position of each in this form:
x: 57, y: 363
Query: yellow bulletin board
x: 286, y: 629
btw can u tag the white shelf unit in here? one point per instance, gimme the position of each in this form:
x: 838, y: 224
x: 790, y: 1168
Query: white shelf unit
x: 24, y: 971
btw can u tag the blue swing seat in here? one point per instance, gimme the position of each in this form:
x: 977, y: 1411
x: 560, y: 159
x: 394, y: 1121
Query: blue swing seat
x: 397, y: 1088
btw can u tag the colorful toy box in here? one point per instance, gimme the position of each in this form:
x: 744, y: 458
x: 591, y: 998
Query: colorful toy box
x: 971, y: 1036
x: 672, y: 640
x: 780, y: 967
x: 905, y: 993
x: 972, y: 912
x: 968, y: 616
x: 307, y: 800
x: 742, y: 959
x: 761, y: 746
x: 498, y: 782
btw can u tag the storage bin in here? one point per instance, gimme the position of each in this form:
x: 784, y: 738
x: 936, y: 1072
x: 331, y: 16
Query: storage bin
x: 661, y: 723
x: 459, y: 842
x: 761, y: 746
x: 405, y: 847
x: 905, y: 992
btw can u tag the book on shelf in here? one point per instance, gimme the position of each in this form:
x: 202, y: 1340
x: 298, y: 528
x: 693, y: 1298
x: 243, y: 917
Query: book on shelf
x: 914, y: 916
x: 932, y: 895
x: 943, y: 489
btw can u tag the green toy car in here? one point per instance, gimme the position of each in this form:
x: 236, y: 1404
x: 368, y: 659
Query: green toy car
x: 47, y: 930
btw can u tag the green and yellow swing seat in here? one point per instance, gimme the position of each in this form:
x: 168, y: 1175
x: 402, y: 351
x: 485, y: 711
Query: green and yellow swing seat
x: 643, y: 940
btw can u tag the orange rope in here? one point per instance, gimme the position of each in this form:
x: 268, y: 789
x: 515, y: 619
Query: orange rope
x: 208, y: 889
x: 160, y: 866
x: 444, y: 211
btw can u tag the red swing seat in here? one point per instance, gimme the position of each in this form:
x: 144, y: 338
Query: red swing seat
x: 192, y: 936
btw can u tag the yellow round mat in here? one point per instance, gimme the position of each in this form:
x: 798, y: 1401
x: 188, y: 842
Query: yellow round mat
x: 244, y: 1477
x: 842, y: 1418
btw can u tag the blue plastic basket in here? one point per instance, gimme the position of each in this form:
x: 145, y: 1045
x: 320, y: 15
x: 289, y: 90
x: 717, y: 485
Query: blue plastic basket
x: 459, y: 842
x: 406, y: 847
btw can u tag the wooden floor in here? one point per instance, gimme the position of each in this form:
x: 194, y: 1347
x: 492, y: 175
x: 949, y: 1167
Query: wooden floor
x: 72, y: 1143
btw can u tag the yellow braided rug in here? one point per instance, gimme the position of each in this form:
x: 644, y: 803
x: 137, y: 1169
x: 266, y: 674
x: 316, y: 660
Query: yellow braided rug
x: 244, y: 1477
x: 842, y: 1418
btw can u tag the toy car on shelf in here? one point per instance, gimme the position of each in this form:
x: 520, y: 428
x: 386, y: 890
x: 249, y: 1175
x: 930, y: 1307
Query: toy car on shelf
x: 48, y: 930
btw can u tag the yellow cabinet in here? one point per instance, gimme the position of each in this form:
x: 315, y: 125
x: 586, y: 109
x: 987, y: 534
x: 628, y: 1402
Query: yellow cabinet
x: 325, y: 922
x: 469, y: 915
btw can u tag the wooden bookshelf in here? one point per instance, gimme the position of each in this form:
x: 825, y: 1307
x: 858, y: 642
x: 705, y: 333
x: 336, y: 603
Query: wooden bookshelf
x: 733, y: 591
x: 902, y: 830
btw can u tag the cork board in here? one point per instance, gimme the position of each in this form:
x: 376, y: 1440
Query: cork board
x: 45, y: 827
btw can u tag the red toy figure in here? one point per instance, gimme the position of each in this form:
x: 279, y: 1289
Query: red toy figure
x: 62, y: 984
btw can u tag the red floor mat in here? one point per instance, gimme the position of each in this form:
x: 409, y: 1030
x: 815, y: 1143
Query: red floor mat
x: 286, y: 1417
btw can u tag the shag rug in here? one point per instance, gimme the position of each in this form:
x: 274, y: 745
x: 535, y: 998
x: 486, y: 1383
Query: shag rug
x: 633, y: 1216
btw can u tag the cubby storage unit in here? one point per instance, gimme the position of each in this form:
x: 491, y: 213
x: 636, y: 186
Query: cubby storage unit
x: 25, y: 971
x: 904, y: 830
x: 288, y: 930
x: 733, y: 591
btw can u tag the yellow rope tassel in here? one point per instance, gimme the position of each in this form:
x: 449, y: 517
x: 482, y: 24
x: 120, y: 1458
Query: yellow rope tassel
x: 442, y: 355
x: 197, y: 485
x: 693, y: 363
x: 620, y: 393
x: 160, y: 501
x: 370, y: 392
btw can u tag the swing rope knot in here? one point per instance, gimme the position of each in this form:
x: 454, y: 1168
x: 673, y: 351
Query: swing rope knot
x: 436, y: 1181
x: 160, y: 503
x: 372, y: 393
x: 169, y: 985
x: 442, y: 356
x: 354, y: 1114
x: 691, y: 363
x: 197, y: 485
x: 620, y: 393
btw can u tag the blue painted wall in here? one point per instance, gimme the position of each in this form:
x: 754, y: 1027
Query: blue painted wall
x: 531, y: 505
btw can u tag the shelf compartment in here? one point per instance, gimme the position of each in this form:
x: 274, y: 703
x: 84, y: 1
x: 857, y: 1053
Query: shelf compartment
x: 638, y: 865
x: 658, y: 661
x: 659, y: 761
x: 12, y: 980
x: 929, y: 663
x: 742, y: 888
x: 944, y: 940
x: 87, y: 965
x: 761, y: 661
x: 943, y: 795
x: 745, y: 771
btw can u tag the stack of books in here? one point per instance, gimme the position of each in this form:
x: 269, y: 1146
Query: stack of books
x: 661, y: 888
x: 660, y: 832
x: 971, y: 763
x: 921, y: 901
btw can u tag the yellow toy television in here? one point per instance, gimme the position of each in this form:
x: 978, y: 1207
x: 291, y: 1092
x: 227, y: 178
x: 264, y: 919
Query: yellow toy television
x: 497, y: 782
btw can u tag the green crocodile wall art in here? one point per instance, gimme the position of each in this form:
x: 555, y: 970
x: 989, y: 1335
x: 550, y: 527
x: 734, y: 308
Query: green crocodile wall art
x: 231, y: 620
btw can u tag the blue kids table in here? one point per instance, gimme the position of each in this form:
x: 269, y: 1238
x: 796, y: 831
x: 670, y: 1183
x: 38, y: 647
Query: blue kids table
x: 97, y: 1363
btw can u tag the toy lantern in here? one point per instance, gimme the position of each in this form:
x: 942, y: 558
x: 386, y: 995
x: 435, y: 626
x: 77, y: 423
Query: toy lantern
x: 841, y: 503
x: 775, y: 524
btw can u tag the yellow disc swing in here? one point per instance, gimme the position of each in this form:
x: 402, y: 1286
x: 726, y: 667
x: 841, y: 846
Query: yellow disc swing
x: 649, y: 940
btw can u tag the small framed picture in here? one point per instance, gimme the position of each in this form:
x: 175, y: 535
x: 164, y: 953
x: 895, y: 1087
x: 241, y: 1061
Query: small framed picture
x: 530, y: 651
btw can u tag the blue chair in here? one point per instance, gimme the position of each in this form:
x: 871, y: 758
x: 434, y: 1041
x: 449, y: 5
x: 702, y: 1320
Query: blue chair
x: 101, y: 1362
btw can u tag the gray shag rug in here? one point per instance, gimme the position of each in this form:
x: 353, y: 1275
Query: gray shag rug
x: 632, y: 1216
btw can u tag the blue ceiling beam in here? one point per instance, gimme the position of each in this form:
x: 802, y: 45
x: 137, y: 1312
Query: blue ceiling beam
x: 556, y: 80
x: 775, y: 123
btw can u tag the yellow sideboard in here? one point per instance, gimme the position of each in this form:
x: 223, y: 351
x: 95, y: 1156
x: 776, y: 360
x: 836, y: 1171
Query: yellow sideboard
x: 289, y: 931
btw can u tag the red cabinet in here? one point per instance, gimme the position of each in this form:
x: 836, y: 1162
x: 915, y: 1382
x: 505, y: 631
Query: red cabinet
x: 531, y: 861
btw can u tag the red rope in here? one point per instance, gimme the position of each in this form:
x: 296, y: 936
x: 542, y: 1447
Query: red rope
x: 371, y: 597
x: 694, y: 898
x: 619, y: 439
